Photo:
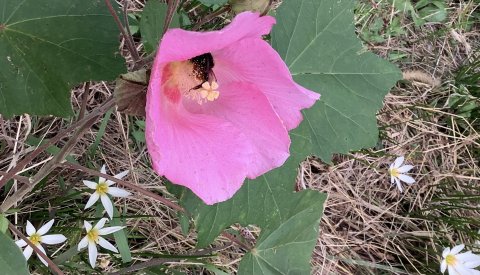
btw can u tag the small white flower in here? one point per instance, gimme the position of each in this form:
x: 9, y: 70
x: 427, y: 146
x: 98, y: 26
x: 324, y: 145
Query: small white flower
x: 93, y: 238
x: 103, y: 188
x: 459, y: 264
x: 37, y: 237
x: 396, y: 171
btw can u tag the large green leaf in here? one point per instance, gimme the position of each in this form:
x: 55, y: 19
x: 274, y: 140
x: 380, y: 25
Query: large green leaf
x: 153, y: 22
x: 12, y: 261
x: 317, y: 40
x: 47, y: 47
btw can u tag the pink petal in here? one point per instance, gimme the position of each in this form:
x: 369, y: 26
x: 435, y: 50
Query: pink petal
x: 254, y: 60
x: 179, y: 44
x: 249, y: 111
x: 208, y: 155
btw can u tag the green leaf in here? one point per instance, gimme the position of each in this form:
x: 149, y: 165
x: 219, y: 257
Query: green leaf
x: 3, y: 224
x: 287, y: 250
x: 327, y: 57
x: 47, y: 47
x: 153, y: 22
x: 213, y: 2
x: 121, y: 237
x: 12, y: 261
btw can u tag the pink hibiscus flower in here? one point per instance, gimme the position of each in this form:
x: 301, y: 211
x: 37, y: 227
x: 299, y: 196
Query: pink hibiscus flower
x: 219, y: 107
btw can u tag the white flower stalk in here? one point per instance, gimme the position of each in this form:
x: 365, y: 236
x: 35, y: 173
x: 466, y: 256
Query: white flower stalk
x: 94, y: 237
x: 103, y: 188
x: 38, y: 237
x: 397, y: 171
x: 459, y: 264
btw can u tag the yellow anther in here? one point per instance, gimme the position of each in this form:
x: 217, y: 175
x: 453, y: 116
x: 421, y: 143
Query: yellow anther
x: 93, y: 234
x: 451, y: 260
x: 35, y: 239
x: 394, y: 172
x: 102, y: 188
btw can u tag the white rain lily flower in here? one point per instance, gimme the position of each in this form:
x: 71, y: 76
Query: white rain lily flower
x: 38, y: 237
x: 459, y: 264
x: 397, y: 171
x: 93, y: 238
x: 103, y: 188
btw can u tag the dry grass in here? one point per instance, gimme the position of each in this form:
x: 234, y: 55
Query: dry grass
x: 366, y: 222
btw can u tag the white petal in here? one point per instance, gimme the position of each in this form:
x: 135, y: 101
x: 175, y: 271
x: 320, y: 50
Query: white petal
x: 121, y: 175
x: 461, y: 270
x: 399, y: 185
x: 27, y: 252
x: 457, y: 249
x: 41, y: 259
x: 92, y: 254
x: 53, y: 239
x: 30, y: 229
x: 398, y: 162
x: 105, y: 244
x: 405, y: 168
x: 470, y: 260
x: 93, y: 199
x: 443, y: 266
x: 391, y: 167
x: 21, y: 243
x: 107, y: 204
x: 101, y: 223
x: 103, y: 170
x: 392, y: 179
x: 406, y: 179
x: 117, y: 176
x: 451, y: 270
x: 90, y: 184
x: 445, y: 252
x: 472, y: 264
x: 110, y: 230
x: 118, y: 192
x: 87, y: 225
x: 474, y: 272
x: 45, y: 228
x: 83, y: 243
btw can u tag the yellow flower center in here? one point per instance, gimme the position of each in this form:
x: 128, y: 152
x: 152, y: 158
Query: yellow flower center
x: 35, y: 239
x: 394, y: 172
x: 451, y: 260
x: 92, y: 235
x: 102, y: 188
